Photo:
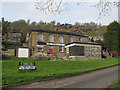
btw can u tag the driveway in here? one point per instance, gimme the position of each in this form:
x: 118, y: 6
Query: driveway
x: 95, y: 79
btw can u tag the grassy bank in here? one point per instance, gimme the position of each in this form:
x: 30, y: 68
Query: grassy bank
x: 12, y: 58
x: 46, y: 69
x: 115, y: 85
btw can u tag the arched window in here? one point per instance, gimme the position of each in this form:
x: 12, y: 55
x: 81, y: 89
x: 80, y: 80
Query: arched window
x: 61, y: 39
x: 51, y: 38
x: 40, y: 37
x: 70, y: 39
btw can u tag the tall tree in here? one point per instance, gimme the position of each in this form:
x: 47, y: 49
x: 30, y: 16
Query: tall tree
x: 111, y: 36
x: 5, y: 25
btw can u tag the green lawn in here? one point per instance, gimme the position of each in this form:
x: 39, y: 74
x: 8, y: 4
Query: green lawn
x: 46, y: 69
x: 115, y: 85
x: 11, y: 58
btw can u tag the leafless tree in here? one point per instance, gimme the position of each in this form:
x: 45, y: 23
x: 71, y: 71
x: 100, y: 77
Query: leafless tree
x: 57, y: 6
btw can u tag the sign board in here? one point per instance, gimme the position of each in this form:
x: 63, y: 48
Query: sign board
x: 23, y: 52
x: 25, y: 67
x: 56, y: 44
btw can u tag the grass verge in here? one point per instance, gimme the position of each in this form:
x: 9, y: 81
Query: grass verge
x: 47, y: 69
x: 11, y: 58
x: 115, y: 85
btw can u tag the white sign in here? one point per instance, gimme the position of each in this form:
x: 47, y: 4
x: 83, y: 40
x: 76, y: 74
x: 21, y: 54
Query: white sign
x: 27, y: 67
x: 40, y: 46
x: 57, y: 44
x: 23, y: 52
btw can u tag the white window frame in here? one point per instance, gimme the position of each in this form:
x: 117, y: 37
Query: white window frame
x: 40, y: 37
x: 70, y: 39
x: 51, y: 38
x: 61, y: 37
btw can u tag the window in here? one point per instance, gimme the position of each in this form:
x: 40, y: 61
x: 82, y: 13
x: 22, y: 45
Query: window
x: 14, y: 34
x: 70, y: 39
x: 13, y: 40
x: 80, y: 39
x: 60, y: 48
x: 2, y: 39
x: 40, y: 37
x: 61, y: 39
x: 40, y: 49
x: 76, y: 51
x: 51, y: 38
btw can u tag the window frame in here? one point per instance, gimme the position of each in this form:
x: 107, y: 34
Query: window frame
x: 73, y: 51
x: 62, y: 50
x: 61, y: 37
x: 51, y: 36
x: 70, y: 39
x: 40, y: 50
x: 40, y: 37
x: 13, y: 34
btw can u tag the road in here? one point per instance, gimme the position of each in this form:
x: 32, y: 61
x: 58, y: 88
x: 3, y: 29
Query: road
x: 95, y: 79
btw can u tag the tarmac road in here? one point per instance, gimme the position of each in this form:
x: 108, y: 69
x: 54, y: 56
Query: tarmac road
x: 95, y: 79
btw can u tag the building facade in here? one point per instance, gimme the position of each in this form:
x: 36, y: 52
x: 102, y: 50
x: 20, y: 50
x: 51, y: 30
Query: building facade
x: 43, y: 42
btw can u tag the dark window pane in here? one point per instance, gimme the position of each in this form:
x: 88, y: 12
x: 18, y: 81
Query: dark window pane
x: 76, y: 51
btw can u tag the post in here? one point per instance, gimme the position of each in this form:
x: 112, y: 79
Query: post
x: 119, y: 11
x: 34, y: 64
x: 19, y: 65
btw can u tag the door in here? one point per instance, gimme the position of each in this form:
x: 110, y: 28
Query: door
x: 51, y: 50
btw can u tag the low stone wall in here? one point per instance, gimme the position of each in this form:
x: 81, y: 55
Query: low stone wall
x: 9, y: 52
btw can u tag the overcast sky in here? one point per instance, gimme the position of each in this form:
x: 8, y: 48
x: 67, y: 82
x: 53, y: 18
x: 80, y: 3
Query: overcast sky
x: 13, y: 11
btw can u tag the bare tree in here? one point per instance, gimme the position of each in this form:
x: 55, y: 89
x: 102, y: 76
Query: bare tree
x: 57, y: 6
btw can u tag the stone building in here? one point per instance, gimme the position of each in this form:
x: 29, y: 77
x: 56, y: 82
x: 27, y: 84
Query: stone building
x: 12, y: 36
x: 83, y: 50
x: 11, y: 40
x: 43, y: 42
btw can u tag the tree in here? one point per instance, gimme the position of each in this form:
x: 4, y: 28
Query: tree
x: 111, y: 36
x: 58, y: 24
x: 57, y: 6
x: 5, y: 25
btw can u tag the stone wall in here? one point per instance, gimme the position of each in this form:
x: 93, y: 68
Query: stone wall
x: 9, y: 52
x: 92, y: 52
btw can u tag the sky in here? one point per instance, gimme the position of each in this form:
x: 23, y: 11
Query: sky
x: 85, y: 12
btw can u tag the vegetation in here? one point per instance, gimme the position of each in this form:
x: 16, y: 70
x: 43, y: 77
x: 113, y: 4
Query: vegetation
x: 12, y: 58
x: 93, y: 29
x: 5, y: 25
x: 48, y: 69
x: 111, y: 36
x: 115, y: 85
